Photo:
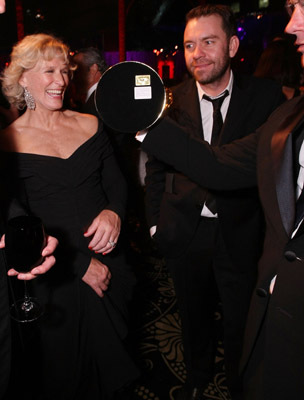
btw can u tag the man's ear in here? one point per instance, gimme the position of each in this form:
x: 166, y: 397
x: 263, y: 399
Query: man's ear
x: 93, y: 69
x: 234, y: 44
x: 93, y: 74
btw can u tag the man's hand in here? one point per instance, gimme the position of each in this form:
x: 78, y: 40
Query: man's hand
x: 49, y: 260
x: 105, y: 229
x: 97, y: 276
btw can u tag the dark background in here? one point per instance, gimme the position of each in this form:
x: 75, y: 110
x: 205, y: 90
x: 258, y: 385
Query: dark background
x: 149, y: 24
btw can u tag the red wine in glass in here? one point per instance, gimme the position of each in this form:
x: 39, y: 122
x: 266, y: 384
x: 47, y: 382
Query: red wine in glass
x: 24, y: 242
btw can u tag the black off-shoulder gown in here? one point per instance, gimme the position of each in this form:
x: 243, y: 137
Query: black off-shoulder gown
x: 80, y: 351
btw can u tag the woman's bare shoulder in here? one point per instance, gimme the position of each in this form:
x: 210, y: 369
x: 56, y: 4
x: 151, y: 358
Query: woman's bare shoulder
x: 86, y: 122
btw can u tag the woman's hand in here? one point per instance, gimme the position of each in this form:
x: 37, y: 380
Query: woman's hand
x: 49, y: 260
x: 97, y: 276
x: 105, y: 229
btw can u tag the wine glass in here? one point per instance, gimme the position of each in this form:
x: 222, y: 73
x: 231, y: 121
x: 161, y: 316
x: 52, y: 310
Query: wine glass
x: 24, y: 242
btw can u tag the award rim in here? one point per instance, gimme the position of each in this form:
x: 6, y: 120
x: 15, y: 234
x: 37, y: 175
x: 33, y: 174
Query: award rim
x: 153, y: 72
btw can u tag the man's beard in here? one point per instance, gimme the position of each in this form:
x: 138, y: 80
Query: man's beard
x: 215, y: 74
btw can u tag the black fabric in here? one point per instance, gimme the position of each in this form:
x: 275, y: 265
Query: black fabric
x: 5, y: 330
x: 77, y: 349
x: 283, y: 357
x: 11, y: 207
x: 197, y: 274
x: 130, y: 111
x: 176, y: 214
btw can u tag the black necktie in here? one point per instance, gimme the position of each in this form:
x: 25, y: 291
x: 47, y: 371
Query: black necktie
x: 217, y: 116
x: 216, y: 130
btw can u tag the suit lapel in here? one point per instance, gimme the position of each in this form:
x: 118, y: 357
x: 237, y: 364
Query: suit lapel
x: 281, y: 146
x: 190, y: 117
x: 235, y: 114
x: 282, y: 156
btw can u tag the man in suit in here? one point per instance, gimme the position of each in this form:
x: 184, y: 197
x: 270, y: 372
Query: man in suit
x: 273, y: 352
x: 206, y: 236
x: 5, y: 328
x: 90, y: 67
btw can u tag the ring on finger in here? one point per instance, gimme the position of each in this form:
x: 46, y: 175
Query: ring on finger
x: 113, y: 244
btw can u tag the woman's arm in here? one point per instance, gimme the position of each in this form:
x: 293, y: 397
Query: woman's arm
x: 106, y: 226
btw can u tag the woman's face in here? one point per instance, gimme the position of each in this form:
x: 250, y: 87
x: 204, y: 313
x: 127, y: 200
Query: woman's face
x: 47, y: 82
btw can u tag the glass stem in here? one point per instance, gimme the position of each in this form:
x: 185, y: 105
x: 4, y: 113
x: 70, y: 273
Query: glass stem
x: 27, y: 305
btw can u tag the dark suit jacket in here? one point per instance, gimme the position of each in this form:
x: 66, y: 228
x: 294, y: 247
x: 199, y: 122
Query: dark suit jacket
x: 174, y: 202
x: 267, y: 156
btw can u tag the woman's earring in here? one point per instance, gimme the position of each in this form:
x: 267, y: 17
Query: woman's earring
x: 29, y: 100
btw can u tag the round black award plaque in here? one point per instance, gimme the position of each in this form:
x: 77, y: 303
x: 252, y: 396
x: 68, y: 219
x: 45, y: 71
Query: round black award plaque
x: 130, y: 97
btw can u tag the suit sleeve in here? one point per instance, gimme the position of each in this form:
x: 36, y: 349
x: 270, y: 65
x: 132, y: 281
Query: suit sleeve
x: 113, y: 181
x: 155, y: 187
x: 232, y: 166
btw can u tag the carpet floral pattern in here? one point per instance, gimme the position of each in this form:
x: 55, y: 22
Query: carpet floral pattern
x: 156, y: 338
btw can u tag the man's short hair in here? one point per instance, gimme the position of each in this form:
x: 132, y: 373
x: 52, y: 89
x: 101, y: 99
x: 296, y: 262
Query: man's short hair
x: 228, y: 19
x: 93, y: 56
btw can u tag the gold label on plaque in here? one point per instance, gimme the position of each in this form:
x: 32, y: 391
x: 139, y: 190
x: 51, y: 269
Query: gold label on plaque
x: 142, y: 80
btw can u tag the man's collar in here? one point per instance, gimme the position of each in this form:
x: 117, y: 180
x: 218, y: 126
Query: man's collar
x: 91, y: 90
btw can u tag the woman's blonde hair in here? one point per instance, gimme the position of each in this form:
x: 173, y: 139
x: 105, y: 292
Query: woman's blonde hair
x: 24, y: 56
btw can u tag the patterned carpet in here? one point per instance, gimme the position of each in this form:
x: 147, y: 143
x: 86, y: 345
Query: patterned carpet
x: 156, y: 337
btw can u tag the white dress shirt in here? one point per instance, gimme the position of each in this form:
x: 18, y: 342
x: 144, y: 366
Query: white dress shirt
x: 207, y: 121
x: 91, y: 90
x: 299, y: 188
x: 300, y: 181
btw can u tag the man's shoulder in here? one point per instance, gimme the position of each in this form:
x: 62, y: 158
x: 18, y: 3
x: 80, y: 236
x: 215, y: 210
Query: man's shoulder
x: 253, y: 83
x: 293, y: 107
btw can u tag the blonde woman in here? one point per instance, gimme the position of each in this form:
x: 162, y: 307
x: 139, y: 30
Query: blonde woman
x: 67, y: 175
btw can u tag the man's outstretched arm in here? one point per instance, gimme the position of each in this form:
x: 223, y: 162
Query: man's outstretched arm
x: 231, y: 166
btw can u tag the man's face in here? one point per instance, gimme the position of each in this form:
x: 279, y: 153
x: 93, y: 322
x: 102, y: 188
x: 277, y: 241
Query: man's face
x: 296, y: 23
x: 2, y: 6
x: 208, y: 49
